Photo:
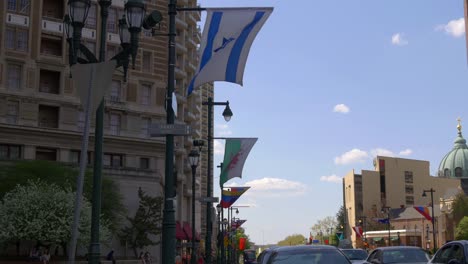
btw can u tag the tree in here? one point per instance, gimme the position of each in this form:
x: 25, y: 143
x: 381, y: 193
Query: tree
x: 63, y: 176
x: 43, y: 212
x: 340, y: 218
x: 324, y: 226
x: 461, y: 232
x: 460, y: 207
x: 296, y: 239
x: 146, y: 222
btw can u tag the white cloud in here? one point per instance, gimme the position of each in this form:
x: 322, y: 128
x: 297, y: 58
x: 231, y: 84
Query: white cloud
x: 399, y: 40
x: 406, y: 152
x: 275, y: 187
x: 341, y: 108
x: 455, y: 28
x: 352, y: 156
x: 331, y: 178
x: 382, y: 152
x: 218, y: 147
x: 222, y: 130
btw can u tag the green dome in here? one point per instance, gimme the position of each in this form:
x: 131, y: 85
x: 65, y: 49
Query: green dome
x: 455, y: 163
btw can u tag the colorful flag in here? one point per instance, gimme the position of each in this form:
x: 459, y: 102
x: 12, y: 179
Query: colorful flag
x: 424, y: 211
x: 238, y: 223
x: 358, y: 230
x: 226, y: 40
x: 235, y: 154
x: 228, y: 198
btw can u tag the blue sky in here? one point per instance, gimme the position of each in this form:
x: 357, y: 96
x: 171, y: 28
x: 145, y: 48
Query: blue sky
x: 328, y: 85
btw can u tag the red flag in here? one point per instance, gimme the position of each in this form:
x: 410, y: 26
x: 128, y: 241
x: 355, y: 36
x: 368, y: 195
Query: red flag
x: 241, y: 243
x: 358, y: 230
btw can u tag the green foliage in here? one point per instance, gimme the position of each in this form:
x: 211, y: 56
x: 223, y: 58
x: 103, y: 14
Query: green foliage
x: 461, y: 231
x: 43, y: 212
x: 296, y: 239
x: 460, y: 207
x: 340, y: 218
x: 146, y: 222
x: 18, y: 173
x: 240, y: 232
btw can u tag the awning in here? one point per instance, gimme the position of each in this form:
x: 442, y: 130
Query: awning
x: 188, y: 230
x: 180, y: 234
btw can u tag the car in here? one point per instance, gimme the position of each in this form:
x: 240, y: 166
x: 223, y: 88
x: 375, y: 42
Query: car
x: 265, y: 255
x: 357, y: 256
x: 453, y: 252
x: 249, y: 256
x: 307, y: 254
x: 397, y: 255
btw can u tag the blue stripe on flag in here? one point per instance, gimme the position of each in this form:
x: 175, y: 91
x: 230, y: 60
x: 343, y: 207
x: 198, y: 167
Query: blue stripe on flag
x: 207, y: 52
x: 233, y: 61
x: 213, y: 30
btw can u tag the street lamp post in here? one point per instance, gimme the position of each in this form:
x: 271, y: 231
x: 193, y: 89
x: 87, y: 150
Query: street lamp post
x: 74, y: 23
x: 362, y: 222
x: 219, y: 236
x: 227, y: 114
x: 386, y: 209
x: 432, y: 217
x: 194, y: 158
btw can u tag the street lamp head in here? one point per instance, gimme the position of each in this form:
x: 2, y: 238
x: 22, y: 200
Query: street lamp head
x: 124, y: 34
x: 152, y: 19
x: 424, y: 194
x: 194, y: 158
x: 135, y: 11
x: 237, y: 210
x: 227, y: 113
x: 68, y: 26
x: 218, y: 208
x: 78, y: 10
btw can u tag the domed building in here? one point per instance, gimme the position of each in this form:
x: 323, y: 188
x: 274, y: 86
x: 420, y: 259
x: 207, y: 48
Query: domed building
x: 455, y: 163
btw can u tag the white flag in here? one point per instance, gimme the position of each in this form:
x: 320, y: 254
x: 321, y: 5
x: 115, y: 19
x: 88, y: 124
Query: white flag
x: 226, y: 40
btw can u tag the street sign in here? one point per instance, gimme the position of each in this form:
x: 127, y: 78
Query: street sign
x: 161, y: 130
x: 209, y: 199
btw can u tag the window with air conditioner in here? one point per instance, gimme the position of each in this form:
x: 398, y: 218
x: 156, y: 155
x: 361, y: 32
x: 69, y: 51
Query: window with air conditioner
x: 14, y: 74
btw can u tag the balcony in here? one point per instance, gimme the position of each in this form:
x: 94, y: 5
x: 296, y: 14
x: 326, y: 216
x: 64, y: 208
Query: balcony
x: 51, y: 45
x: 180, y: 23
x: 52, y: 26
x: 17, y: 20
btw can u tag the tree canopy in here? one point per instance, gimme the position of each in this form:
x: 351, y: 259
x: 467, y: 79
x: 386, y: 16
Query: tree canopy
x: 43, y: 212
x: 460, y: 207
x: 64, y: 177
x: 296, y: 239
x: 461, y: 232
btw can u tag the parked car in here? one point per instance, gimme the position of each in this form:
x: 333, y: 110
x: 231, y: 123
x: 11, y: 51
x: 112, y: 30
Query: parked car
x: 397, y: 255
x: 265, y: 255
x: 249, y: 256
x: 357, y: 256
x: 454, y: 252
x: 306, y: 254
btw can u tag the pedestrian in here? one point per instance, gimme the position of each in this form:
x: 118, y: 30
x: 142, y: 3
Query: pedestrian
x: 45, y: 258
x: 147, y: 258
x: 142, y: 258
x: 110, y: 256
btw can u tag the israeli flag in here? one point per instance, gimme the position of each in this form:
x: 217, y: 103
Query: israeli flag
x: 226, y: 40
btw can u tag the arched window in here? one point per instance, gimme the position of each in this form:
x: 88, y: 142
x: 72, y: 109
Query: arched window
x: 458, y: 172
x: 447, y: 173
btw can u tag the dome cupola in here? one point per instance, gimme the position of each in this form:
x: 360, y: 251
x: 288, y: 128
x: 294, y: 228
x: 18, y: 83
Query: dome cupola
x: 455, y: 163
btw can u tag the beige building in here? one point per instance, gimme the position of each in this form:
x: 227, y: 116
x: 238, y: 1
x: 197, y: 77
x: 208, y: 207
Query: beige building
x: 41, y: 116
x: 396, y: 184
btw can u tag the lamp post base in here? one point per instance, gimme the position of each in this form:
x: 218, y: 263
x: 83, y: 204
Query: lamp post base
x: 94, y: 253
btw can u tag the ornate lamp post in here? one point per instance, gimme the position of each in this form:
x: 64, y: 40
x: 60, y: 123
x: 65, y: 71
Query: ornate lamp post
x: 432, y: 191
x: 227, y: 114
x: 74, y: 22
x: 194, y: 158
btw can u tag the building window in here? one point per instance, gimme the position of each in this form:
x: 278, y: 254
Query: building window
x: 80, y: 121
x: 112, y: 160
x: 446, y: 173
x: 408, y: 177
x: 10, y: 151
x: 12, y: 113
x: 147, y: 58
x: 14, y: 77
x: 75, y: 157
x: 145, y: 94
x: 49, y: 82
x: 51, y: 45
x: 409, y: 189
x: 91, y: 19
x: 48, y: 116
x: 145, y: 125
x: 52, y: 9
x: 16, y: 39
x: 144, y: 163
x: 113, y: 20
x: 409, y: 200
x: 114, y: 124
x: 458, y: 172
x: 18, y: 6
x: 115, y: 91
x: 46, y: 154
